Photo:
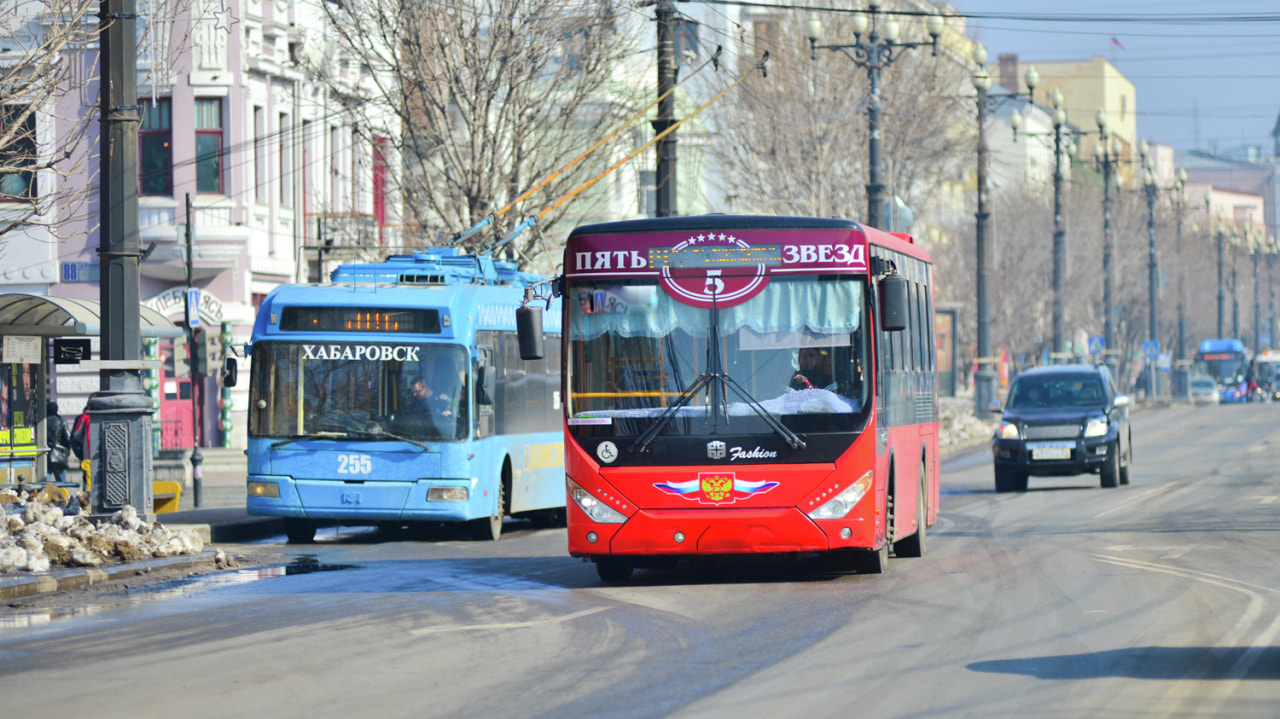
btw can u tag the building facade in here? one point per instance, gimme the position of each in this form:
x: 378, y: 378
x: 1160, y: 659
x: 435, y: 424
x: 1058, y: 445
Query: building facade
x: 244, y: 156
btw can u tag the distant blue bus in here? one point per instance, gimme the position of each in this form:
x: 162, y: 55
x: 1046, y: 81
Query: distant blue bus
x: 340, y: 427
x: 1222, y: 359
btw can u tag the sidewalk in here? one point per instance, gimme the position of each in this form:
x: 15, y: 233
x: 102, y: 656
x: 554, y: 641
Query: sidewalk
x: 220, y: 518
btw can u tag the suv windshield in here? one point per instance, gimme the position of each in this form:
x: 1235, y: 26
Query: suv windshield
x: 1063, y: 391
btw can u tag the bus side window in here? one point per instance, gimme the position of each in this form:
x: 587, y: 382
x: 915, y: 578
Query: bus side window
x: 484, y: 391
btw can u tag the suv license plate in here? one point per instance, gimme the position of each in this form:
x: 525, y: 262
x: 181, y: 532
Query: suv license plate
x: 1051, y: 453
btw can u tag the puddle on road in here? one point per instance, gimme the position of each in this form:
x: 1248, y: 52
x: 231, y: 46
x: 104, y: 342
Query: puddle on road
x: 171, y: 589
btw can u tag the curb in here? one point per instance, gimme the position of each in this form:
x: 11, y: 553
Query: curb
x: 67, y: 579
x: 60, y: 580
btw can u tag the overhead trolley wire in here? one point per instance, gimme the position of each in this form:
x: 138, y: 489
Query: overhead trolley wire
x: 713, y: 60
x: 530, y: 221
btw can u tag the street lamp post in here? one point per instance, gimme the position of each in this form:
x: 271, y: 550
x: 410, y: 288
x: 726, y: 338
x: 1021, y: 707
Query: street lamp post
x: 1222, y: 287
x: 1255, y: 249
x: 1153, y: 266
x: 1059, y: 227
x: 1107, y: 153
x: 984, y: 390
x: 1235, y: 291
x: 874, y: 54
x: 1183, y: 379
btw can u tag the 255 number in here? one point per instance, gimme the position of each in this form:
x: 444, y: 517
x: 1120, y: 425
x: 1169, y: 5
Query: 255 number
x: 355, y: 464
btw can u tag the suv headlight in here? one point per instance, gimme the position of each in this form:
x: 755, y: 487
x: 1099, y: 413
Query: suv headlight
x: 597, y: 510
x: 1096, y: 427
x: 1007, y: 430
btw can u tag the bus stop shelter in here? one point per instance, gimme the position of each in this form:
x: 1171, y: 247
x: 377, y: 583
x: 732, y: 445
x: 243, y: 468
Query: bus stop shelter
x: 27, y: 324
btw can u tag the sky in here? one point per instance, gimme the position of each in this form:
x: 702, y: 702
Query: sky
x: 1207, y: 73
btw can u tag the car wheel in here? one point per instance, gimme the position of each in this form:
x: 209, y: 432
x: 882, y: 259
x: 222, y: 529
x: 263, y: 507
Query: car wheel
x: 1128, y: 463
x: 1010, y: 480
x: 1111, y: 468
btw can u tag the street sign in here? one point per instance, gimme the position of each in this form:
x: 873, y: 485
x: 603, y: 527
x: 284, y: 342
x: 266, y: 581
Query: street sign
x: 1151, y: 349
x: 1164, y: 361
x: 1097, y: 344
x: 70, y: 351
x: 193, y: 307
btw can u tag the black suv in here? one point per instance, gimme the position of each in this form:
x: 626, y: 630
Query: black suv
x: 1062, y: 420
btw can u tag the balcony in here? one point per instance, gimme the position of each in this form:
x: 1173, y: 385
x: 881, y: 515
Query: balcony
x: 218, y: 241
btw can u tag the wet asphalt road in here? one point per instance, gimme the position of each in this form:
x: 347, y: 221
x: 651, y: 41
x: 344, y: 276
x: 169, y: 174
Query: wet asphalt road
x: 1159, y: 599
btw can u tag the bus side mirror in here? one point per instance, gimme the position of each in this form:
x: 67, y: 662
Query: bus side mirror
x: 893, y: 303
x: 230, y: 370
x: 529, y: 332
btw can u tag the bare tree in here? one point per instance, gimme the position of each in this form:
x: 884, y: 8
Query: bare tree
x: 797, y: 143
x: 490, y: 98
x: 40, y: 40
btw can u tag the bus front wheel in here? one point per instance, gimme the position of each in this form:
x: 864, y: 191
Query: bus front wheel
x: 614, y: 569
x: 299, y: 531
x: 489, y: 529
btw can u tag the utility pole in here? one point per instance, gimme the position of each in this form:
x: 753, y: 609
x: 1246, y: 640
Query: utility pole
x: 120, y: 411
x: 665, y: 174
x: 192, y: 315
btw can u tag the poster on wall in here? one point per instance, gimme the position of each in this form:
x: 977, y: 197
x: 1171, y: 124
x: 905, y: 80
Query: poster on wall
x: 946, y: 338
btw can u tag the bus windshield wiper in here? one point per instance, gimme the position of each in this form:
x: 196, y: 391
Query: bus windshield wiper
x: 717, y: 379
x: 360, y: 434
x: 380, y: 433
x: 643, y: 440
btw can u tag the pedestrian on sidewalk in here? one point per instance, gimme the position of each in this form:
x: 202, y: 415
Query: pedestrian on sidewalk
x: 59, y: 438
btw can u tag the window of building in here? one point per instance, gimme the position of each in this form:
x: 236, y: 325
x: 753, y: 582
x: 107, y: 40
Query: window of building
x: 686, y: 37
x: 380, y: 145
x: 260, y: 174
x: 209, y: 160
x: 285, y: 134
x: 18, y: 155
x: 648, y: 205
x: 155, y: 149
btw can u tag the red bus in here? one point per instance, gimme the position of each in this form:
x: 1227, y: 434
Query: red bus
x: 743, y: 384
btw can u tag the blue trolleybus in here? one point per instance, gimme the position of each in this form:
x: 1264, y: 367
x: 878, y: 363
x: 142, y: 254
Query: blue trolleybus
x: 396, y: 394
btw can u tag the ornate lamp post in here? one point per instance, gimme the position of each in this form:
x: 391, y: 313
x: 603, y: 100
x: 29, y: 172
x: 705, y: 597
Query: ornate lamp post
x: 1107, y: 152
x: 984, y: 391
x: 1153, y: 265
x: 1059, y: 228
x: 878, y: 51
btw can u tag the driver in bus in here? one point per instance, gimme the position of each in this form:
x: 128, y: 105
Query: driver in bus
x: 424, y: 400
x: 811, y: 374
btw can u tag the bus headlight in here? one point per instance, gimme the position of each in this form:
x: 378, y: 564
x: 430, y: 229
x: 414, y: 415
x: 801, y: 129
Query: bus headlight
x: 1007, y: 430
x: 447, y: 494
x: 844, y: 502
x: 264, y: 489
x: 1096, y: 428
x: 597, y: 510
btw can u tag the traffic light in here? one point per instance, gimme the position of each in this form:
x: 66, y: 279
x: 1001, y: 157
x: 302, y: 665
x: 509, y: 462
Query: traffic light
x: 180, y: 368
x: 199, y: 355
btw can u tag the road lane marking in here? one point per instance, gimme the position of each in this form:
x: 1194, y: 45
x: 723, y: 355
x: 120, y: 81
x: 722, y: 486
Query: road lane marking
x: 1137, y: 498
x: 507, y: 625
x: 1212, y: 688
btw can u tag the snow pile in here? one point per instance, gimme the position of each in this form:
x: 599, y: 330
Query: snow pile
x: 959, y: 428
x: 47, y: 529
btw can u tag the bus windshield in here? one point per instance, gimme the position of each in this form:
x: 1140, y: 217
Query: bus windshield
x: 793, y: 359
x: 1225, y: 367
x: 358, y: 390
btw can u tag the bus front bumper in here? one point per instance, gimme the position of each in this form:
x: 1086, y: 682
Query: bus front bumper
x: 710, y: 531
x: 411, y: 501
